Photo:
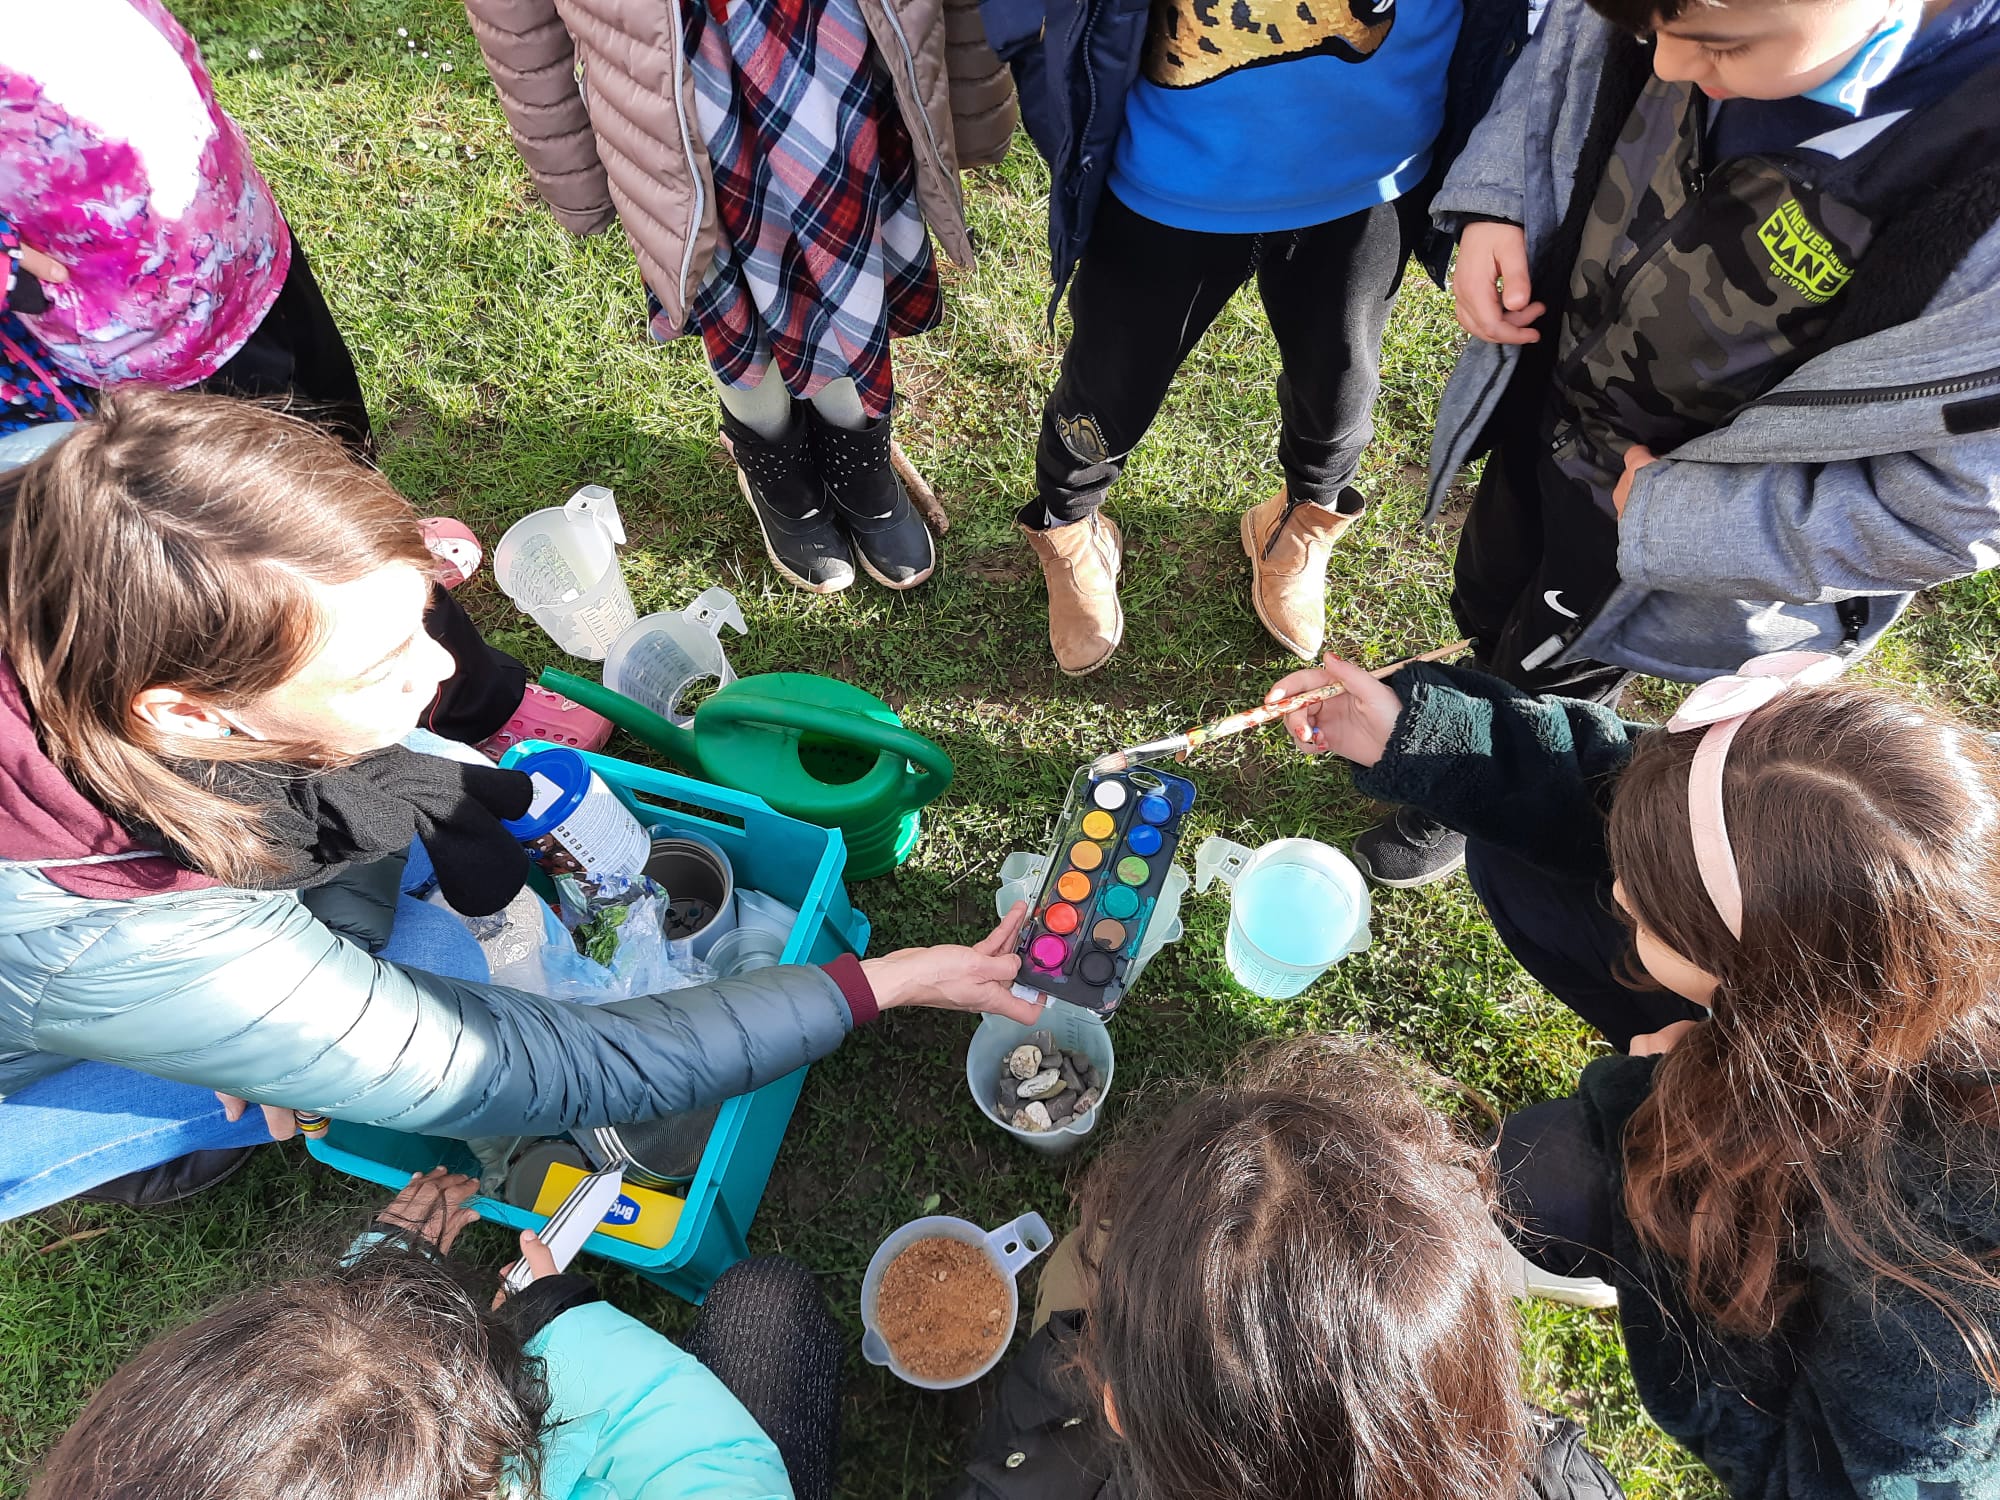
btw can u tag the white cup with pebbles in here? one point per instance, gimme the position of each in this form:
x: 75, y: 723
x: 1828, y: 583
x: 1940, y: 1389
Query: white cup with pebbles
x: 1043, y: 1084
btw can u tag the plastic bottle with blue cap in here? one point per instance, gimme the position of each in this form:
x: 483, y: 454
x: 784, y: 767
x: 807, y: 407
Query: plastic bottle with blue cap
x: 576, y: 823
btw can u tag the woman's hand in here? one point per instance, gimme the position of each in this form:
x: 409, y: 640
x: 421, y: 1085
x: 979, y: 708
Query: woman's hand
x: 433, y: 1207
x: 281, y: 1122
x: 1655, y: 1043
x: 952, y: 977
x: 1489, y: 285
x: 1356, y: 725
x: 540, y: 1263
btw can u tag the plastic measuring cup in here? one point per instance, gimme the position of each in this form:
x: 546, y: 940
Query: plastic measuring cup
x: 1296, y: 908
x: 1075, y: 1030
x: 1021, y: 876
x: 1009, y: 1248
x: 660, y: 657
x: 560, y: 567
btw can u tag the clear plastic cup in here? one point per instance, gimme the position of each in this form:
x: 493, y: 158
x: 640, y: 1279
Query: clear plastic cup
x: 1074, y: 1030
x: 1296, y: 908
x: 661, y: 657
x: 560, y: 567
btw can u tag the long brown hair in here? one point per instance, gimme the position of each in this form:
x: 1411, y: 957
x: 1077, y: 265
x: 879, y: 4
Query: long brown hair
x: 384, y: 1380
x: 1853, y: 1040
x: 1297, y: 1294
x: 169, y: 542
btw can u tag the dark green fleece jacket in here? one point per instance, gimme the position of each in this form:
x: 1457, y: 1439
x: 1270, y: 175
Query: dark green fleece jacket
x: 1865, y: 1393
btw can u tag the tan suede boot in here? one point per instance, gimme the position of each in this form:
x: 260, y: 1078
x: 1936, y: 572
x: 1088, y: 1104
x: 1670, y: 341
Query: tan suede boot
x: 1288, y: 545
x: 1080, y: 564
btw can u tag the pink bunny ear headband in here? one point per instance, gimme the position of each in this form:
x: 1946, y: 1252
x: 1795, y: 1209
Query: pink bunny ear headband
x: 1718, y: 708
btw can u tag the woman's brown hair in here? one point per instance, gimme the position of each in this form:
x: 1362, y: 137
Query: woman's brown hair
x: 1297, y: 1292
x: 383, y: 1380
x: 169, y: 542
x: 1848, y: 1068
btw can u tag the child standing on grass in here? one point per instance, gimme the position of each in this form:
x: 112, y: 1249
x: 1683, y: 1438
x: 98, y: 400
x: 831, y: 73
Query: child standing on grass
x: 1298, y: 1291
x: 1793, y: 1180
x: 385, y: 1376
x: 1733, y: 279
x: 145, y: 246
x: 1192, y: 147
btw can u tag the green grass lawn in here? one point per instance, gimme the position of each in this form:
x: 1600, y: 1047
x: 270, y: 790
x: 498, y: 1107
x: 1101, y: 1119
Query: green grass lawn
x: 506, y: 363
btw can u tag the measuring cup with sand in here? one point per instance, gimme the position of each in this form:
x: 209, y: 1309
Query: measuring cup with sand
x: 939, y: 1303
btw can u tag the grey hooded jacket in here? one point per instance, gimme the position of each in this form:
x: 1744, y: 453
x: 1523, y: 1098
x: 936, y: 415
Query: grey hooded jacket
x: 1873, y: 470
x: 249, y: 993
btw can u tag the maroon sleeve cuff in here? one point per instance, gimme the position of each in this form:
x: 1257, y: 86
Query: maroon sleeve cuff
x: 846, y: 971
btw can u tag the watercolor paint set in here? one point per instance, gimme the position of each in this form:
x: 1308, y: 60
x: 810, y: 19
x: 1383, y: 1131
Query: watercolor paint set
x: 1114, y: 849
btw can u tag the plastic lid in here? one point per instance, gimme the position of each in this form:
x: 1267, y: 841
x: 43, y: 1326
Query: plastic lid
x: 562, y: 781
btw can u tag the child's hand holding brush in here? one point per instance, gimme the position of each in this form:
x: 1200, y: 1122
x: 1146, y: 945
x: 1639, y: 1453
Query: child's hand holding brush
x: 1355, y: 723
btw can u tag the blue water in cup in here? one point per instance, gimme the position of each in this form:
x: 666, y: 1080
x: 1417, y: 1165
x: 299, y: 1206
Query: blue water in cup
x: 1296, y: 908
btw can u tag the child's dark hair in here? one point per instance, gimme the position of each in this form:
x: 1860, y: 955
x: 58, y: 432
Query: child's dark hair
x: 383, y: 1380
x: 1297, y: 1291
x: 1643, y: 17
x: 1844, y: 1081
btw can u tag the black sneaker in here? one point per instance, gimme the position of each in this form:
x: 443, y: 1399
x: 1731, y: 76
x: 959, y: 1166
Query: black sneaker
x: 890, y: 538
x: 777, y: 477
x: 1406, y: 848
x: 171, y: 1181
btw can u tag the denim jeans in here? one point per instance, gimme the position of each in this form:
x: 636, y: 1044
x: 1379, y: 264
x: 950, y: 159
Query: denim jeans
x: 95, y: 1121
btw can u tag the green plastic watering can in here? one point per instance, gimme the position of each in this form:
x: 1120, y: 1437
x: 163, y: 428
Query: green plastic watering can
x: 814, y: 748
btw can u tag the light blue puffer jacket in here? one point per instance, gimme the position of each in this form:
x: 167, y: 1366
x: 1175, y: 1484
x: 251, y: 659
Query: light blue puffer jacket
x: 635, y: 1417
x: 249, y: 993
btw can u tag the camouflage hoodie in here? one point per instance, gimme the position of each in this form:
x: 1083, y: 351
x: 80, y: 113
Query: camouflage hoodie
x: 1865, y: 473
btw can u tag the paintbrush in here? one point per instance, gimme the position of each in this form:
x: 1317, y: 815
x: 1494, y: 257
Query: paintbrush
x: 1263, y: 713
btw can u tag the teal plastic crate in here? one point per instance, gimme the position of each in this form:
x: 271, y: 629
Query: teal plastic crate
x: 798, y: 863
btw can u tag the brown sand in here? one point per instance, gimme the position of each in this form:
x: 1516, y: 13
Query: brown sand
x: 942, y: 1308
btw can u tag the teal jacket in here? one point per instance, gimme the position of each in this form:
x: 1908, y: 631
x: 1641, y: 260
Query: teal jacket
x: 1864, y: 1393
x: 634, y: 1417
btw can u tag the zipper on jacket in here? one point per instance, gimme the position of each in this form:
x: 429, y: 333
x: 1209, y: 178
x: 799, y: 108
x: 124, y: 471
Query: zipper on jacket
x: 916, y: 85
x: 680, y: 70
x: 1863, y: 395
x: 1087, y: 26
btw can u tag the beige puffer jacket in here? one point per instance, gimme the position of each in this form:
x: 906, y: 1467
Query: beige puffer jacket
x: 635, y: 151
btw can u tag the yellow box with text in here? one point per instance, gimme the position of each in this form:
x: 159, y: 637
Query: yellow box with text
x: 641, y: 1215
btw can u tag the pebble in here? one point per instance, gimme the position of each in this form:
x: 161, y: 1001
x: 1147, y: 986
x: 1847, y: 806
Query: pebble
x: 1042, y: 1086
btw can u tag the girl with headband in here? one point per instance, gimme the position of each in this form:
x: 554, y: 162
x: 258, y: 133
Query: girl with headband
x: 1785, y: 908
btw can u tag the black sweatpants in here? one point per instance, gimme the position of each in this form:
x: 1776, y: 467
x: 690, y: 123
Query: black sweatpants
x: 766, y: 1334
x: 1536, y: 562
x: 1556, y: 1189
x: 1144, y: 295
x: 298, y: 353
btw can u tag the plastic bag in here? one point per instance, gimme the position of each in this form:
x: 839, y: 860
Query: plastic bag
x: 618, y: 922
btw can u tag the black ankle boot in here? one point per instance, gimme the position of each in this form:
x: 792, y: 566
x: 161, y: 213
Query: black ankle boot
x: 889, y: 536
x: 779, y: 480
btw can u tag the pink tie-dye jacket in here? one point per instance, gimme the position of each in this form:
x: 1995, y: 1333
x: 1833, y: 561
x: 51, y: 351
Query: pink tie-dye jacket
x: 168, y: 300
